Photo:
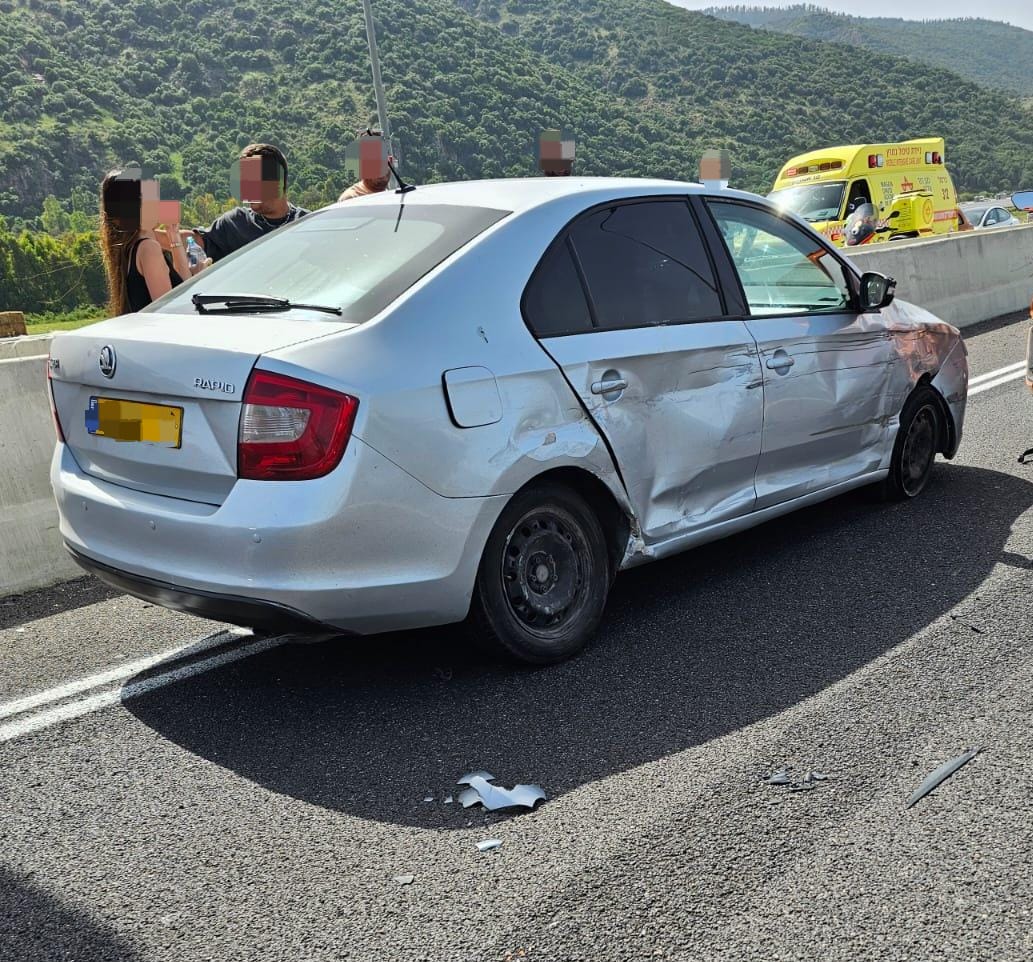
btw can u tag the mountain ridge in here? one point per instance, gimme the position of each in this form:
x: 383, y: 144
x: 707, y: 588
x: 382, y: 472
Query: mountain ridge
x: 988, y: 52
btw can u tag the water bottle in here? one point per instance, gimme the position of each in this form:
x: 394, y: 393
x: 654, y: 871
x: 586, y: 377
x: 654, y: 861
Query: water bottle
x: 194, y: 254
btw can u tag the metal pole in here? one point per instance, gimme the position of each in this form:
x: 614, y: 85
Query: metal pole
x: 378, y: 84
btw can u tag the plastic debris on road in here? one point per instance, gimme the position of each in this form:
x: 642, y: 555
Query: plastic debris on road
x: 488, y: 844
x: 448, y: 800
x: 940, y: 775
x: 465, y: 780
x: 404, y: 879
x: 785, y: 780
x: 493, y: 798
x: 468, y: 797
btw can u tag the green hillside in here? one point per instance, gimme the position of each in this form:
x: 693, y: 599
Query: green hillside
x: 767, y: 96
x: 990, y: 53
x: 180, y: 85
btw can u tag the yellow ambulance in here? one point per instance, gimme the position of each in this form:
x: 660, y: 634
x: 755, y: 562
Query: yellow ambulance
x: 900, y: 190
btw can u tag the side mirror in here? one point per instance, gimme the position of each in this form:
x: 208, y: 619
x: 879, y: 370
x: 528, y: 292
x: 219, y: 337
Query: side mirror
x: 877, y: 291
x: 1022, y: 200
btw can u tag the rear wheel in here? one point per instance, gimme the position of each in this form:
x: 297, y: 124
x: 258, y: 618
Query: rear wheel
x: 914, y: 451
x: 544, y: 576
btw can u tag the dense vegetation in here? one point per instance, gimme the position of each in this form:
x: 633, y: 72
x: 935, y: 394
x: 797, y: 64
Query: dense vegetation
x: 990, y: 53
x: 181, y: 85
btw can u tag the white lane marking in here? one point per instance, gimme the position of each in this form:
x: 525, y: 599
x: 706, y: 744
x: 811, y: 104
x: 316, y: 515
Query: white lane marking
x: 997, y: 382
x: 991, y: 375
x: 104, y: 699
x: 122, y: 672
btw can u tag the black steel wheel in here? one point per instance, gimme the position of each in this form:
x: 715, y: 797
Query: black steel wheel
x: 914, y: 451
x: 544, y: 576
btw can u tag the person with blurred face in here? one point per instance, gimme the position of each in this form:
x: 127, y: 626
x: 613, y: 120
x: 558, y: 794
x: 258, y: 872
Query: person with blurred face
x: 368, y: 153
x: 260, y: 182
x: 141, y: 262
x: 556, y: 153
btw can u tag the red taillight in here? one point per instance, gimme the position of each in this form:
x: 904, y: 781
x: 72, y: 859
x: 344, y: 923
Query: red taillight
x: 53, y: 404
x: 291, y: 430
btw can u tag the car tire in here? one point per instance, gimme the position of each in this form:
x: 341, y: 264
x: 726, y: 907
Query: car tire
x: 915, y: 447
x: 544, y: 577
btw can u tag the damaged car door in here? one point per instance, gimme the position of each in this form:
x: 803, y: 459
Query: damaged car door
x: 627, y: 304
x: 827, y: 367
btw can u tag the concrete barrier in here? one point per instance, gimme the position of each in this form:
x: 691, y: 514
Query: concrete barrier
x: 962, y: 278
x: 31, y: 554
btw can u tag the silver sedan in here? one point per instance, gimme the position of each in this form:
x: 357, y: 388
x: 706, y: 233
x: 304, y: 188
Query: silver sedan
x: 482, y: 401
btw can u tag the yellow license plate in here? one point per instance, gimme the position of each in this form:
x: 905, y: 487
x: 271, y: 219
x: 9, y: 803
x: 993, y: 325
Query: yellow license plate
x: 132, y: 421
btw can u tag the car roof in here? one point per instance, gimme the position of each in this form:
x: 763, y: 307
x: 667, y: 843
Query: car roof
x: 518, y: 194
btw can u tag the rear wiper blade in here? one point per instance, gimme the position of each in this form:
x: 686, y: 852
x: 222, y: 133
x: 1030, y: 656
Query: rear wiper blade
x: 253, y: 303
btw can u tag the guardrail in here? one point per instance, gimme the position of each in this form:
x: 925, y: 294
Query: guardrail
x: 963, y: 278
x: 31, y: 554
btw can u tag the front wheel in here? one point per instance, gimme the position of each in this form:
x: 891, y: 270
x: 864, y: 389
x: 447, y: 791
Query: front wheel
x: 914, y: 451
x: 544, y: 576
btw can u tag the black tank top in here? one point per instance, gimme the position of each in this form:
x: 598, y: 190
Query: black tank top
x: 136, y: 285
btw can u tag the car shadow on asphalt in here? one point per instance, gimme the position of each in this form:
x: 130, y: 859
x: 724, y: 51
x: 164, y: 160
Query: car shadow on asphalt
x: 691, y: 648
x: 35, y: 925
x: 46, y: 602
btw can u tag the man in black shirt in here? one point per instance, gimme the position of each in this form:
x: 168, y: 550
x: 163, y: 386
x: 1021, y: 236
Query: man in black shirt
x: 264, y: 204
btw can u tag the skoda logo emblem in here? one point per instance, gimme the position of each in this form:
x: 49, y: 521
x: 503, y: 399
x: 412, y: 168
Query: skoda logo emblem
x: 107, y: 361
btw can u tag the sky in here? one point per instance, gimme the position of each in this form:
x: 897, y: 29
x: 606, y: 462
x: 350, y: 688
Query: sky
x: 1016, y: 12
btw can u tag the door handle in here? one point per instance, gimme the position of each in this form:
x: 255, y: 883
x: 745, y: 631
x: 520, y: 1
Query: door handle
x: 609, y: 386
x: 780, y: 362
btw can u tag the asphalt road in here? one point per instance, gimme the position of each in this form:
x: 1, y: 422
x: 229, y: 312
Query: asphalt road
x: 262, y: 809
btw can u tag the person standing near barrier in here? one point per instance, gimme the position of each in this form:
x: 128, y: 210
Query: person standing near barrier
x: 556, y: 153
x: 138, y: 269
x: 259, y: 179
x: 367, y: 156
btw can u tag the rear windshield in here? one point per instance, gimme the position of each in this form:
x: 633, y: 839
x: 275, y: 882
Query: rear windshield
x: 356, y: 257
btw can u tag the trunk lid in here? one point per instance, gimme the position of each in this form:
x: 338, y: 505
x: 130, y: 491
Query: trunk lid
x: 196, y: 365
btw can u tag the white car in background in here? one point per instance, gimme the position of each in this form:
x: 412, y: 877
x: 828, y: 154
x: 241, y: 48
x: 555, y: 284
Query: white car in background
x: 983, y: 216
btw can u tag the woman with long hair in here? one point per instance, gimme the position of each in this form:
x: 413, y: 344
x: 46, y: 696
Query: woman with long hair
x: 134, y: 257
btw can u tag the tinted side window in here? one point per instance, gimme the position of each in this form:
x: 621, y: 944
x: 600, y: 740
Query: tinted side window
x: 783, y: 269
x: 646, y: 264
x: 554, y: 302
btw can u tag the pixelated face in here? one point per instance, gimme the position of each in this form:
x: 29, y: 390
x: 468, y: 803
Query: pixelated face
x: 556, y: 152
x: 716, y: 165
x: 149, y: 201
x: 256, y: 180
x: 366, y: 158
x: 153, y: 210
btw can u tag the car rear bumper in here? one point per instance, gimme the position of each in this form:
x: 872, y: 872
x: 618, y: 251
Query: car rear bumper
x: 262, y: 616
x: 366, y: 549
